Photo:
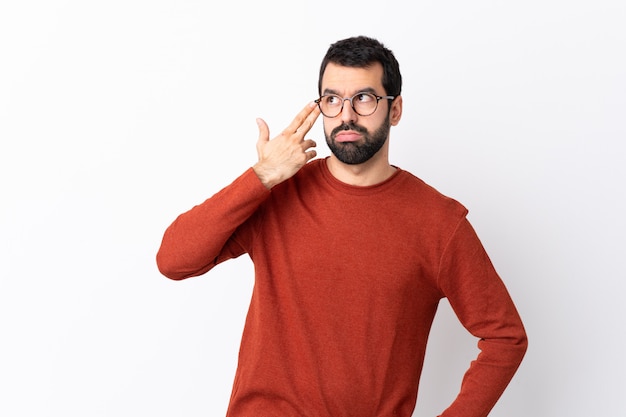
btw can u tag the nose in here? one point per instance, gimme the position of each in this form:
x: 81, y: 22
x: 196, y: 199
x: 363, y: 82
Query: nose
x: 347, y: 112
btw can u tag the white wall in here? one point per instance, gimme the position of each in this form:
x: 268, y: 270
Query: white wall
x: 116, y: 116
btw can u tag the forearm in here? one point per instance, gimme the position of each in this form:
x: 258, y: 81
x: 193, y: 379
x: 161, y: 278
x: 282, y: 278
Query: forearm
x: 487, y: 377
x: 485, y: 308
x: 196, y: 240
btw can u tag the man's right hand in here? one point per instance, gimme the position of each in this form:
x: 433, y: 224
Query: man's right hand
x: 281, y: 157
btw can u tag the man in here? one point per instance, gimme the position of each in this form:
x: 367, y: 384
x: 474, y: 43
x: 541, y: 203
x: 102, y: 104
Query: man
x: 351, y: 256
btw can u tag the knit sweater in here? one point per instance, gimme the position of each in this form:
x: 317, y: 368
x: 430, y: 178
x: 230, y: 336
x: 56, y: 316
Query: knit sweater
x: 347, y: 284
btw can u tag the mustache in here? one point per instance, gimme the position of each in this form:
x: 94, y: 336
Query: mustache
x: 348, y: 126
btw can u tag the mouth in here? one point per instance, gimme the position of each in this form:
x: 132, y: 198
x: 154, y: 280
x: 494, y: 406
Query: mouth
x: 347, y: 136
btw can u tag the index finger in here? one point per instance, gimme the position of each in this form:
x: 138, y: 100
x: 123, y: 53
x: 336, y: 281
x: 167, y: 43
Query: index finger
x: 304, y: 120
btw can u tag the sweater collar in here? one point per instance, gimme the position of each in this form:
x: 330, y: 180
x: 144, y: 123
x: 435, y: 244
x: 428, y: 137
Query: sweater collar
x: 356, y: 189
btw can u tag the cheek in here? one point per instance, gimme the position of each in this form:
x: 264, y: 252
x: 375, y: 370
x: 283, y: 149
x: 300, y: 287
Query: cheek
x: 329, y: 125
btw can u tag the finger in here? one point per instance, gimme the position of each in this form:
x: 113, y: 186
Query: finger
x: 296, y: 123
x: 312, y: 117
x: 310, y: 154
x: 309, y: 121
x: 309, y: 143
x: 308, y: 146
x: 264, y: 131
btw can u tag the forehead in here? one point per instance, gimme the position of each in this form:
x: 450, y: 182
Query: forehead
x: 348, y: 80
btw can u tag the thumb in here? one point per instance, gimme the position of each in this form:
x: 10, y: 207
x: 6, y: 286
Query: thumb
x: 264, y: 131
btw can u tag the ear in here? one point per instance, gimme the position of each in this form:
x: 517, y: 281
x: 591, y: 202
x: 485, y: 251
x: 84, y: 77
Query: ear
x: 395, y: 113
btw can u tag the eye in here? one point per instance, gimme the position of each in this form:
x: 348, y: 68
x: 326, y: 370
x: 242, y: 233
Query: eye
x: 332, y: 100
x: 364, y: 97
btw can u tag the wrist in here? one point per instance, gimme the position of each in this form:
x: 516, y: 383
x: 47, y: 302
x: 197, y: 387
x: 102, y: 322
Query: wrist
x: 265, y: 176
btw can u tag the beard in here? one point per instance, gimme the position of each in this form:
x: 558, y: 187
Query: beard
x: 354, y: 153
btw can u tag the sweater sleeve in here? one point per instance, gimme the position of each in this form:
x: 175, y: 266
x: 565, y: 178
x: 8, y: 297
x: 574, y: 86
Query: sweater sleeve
x: 204, y: 236
x: 484, y: 307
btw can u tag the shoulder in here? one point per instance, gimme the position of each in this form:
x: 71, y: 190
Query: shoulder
x: 417, y: 194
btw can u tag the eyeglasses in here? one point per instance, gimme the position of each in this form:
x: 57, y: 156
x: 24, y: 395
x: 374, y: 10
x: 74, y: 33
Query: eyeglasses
x: 363, y: 104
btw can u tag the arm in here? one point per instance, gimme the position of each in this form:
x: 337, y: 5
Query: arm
x: 484, y: 307
x: 205, y: 235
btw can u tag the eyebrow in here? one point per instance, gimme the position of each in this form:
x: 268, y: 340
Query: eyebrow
x: 361, y: 90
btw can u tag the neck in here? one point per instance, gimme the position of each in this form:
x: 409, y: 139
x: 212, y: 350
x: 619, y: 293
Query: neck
x: 371, y: 172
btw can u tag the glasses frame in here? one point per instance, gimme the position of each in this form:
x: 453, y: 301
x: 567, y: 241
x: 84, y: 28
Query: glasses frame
x: 343, y: 101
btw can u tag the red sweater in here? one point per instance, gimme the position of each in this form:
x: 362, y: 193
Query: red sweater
x: 347, y: 283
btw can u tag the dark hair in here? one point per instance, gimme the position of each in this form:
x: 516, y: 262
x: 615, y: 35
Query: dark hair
x: 361, y: 52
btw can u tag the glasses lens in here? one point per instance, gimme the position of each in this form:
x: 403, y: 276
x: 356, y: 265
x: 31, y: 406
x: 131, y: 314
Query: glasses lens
x: 330, y: 105
x: 364, y: 103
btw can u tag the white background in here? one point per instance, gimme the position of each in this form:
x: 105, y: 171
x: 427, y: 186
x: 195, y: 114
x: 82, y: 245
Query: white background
x: 116, y: 116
